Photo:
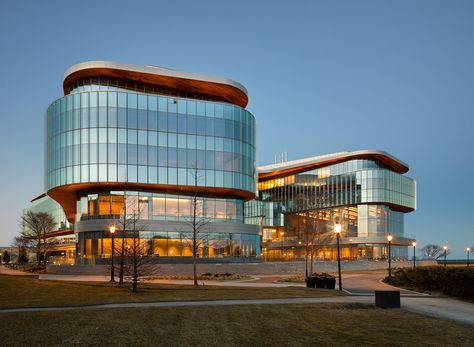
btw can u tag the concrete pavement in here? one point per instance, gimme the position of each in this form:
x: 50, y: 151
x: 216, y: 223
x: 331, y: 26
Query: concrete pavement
x: 365, y: 283
x: 444, y: 308
x: 288, y: 301
x: 255, y: 282
x: 437, y: 307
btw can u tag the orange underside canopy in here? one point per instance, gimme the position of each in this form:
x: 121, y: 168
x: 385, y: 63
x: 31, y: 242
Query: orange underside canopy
x: 379, y: 158
x: 67, y: 195
x: 219, y: 91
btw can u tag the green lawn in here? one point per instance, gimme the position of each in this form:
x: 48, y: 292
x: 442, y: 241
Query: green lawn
x: 247, y: 325
x: 250, y: 325
x: 30, y: 292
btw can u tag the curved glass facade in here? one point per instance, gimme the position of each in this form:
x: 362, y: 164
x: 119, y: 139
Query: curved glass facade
x: 153, y: 206
x: 368, y: 200
x: 96, y: 245
x: 349, y: 183
x: 111, y: 136
x: 113, y: 133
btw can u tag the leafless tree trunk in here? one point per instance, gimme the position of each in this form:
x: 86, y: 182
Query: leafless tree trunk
x: 197, y: 223
x: 316, y: 236
x: 122, y: 259
x: 135, y: 262
x: 35, y: 227
x: 138, y: 264
x: 124, y: 222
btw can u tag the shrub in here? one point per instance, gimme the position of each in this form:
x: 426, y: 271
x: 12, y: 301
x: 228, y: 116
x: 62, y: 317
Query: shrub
x: 33, y: 268
x: 452, y: 281
x: 22, y: 259
x: 6, y: 257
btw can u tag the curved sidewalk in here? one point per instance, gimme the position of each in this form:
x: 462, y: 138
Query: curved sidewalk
x: 320, y: 300
x: 437, y: 307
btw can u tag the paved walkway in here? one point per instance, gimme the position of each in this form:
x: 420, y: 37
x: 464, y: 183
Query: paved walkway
x: 256, y: 282
x: 444, y: 308
x: 333, y: 299
x: 365, y: 283
x: 437, y: 307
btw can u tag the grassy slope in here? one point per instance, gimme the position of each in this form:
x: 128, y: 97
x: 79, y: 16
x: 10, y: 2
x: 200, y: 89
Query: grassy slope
x: 31, y: 292
x: 259, y: 325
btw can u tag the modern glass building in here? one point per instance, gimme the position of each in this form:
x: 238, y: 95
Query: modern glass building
x: 152, y: 139
x: 147, y: 141
x: 300, y: 201
x: 62, y: 241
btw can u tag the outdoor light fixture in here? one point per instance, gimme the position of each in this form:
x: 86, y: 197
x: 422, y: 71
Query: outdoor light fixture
x: 414, y: 254
x: 445, y: 255
x: 389, y: 238
x: 112, y: 267
x: 281, y: 246
x: 337, y: 231
x: 468, y: 250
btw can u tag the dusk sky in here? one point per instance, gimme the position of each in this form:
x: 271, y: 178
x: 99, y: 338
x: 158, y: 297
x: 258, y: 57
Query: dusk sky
x: 322, y: 77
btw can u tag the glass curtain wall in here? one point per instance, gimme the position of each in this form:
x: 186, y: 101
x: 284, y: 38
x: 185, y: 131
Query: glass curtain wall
x: 153, y: 206
x: 367, y: 199
x: 128, y: 137
x: 98, y: 245
x: 362, y: 182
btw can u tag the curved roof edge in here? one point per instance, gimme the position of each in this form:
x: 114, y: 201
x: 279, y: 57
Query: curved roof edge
x: 225, y: 88
x: 66, y: 195
x: 40, y: 196
x: 300, y: 165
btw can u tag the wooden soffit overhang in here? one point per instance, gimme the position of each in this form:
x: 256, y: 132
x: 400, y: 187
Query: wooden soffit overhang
x: 217, y: 88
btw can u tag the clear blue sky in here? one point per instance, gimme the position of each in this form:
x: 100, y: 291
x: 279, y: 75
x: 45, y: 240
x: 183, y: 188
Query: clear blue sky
x: 322, y: 76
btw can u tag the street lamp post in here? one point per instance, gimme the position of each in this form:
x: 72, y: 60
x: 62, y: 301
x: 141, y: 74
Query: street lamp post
x: 389, y: 238
x: 112, y: 267
x: 468, y: 250
x: 337, y: 230
x: 414, y: 255
x: 281, y: 244
x: 445, y: 255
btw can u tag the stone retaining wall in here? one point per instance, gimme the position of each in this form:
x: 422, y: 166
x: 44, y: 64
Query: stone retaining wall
x: 267, y: 268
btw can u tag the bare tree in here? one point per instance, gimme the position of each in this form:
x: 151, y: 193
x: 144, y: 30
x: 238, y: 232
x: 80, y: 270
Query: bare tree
x: 433, y: 251
x: 138, y: 264
x: 135, y: 262
x: 197, y: 222
x: 315, y: 236
x: 36, y: 226
x: 128, y: 218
